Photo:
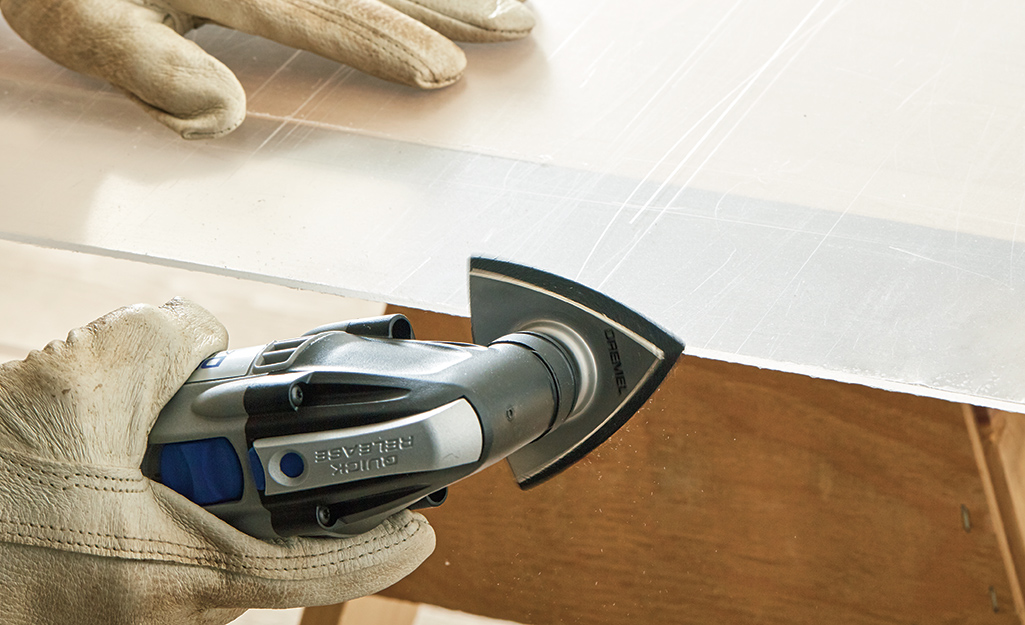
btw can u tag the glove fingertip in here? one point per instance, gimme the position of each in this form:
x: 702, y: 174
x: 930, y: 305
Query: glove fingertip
x: 214, y: 119
x: 205, y: 333
x: 473, y: 21
x: 178, y: 83
x: 444, y: 69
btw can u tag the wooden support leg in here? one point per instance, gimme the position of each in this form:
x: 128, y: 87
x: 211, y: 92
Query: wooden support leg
x: 998, y: 439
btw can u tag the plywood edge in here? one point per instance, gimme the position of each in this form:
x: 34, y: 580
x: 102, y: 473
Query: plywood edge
x: 323, y: 615
x: 994, y: 461
x: 370, y: 610
x: 378, y: 610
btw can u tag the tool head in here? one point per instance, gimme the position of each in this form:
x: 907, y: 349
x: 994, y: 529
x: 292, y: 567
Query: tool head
x: 617, y: 356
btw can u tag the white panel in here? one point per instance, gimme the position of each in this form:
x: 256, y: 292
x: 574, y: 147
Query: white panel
x: 827, y: 187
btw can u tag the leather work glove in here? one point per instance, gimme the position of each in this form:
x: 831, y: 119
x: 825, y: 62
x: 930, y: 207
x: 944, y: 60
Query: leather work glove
x: 137, y: 44
x: 85, y: 538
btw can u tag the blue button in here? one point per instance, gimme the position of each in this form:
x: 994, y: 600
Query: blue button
x: 206, y: 471
x: 292, y: 464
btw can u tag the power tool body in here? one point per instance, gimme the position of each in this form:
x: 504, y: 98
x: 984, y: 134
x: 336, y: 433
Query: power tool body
x: 330, y: 433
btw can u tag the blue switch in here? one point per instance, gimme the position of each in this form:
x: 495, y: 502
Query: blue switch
x: 206, y: 471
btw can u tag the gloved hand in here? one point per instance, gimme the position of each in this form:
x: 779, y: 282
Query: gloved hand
x: 85, y: 538
x: 136, y: 44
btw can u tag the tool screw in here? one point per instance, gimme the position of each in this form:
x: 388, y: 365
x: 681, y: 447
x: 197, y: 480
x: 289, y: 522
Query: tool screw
x: 295, y: 395
x: 324, y: 516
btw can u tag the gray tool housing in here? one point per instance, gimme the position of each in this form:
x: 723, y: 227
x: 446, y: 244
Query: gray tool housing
x: 330, y: 433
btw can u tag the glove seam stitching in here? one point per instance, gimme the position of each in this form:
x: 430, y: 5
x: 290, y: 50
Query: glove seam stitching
x: 179, y: 544
x: 66, y: 480
x: 206, y: 560
x: 12, y: 457
x: 387, y: 45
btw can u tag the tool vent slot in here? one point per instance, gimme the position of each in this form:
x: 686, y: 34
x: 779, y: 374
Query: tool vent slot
x: 279, y: 354
x: 340, y: 394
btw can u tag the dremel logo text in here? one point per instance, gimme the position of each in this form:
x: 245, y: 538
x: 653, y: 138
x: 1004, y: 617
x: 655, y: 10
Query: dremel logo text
x: 617, y: 363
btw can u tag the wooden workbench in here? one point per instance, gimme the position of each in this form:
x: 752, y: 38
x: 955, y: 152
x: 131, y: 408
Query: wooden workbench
x: 737, y: 495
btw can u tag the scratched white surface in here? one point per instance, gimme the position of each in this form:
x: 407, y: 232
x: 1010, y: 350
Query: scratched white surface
x: 828, y: 187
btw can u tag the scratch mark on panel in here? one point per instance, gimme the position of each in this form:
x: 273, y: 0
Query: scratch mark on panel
x: 839, y: 341
x: 748, y: 83
x: 927, y: 82
x: 679, y: 72
x: 292, y: 116
x: 945, y: 264
x: 822, y: 241
x: 594, y: 11
x: 629, y: 199
x: 711, y: 339
x: 592, y: 69
x: 968, y: 178
x: 410, y: 275
x: 714, y: 273
x: 274, y: 75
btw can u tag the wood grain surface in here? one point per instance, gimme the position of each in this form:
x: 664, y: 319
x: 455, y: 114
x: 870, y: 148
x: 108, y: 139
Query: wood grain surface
x: 736, y: 495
